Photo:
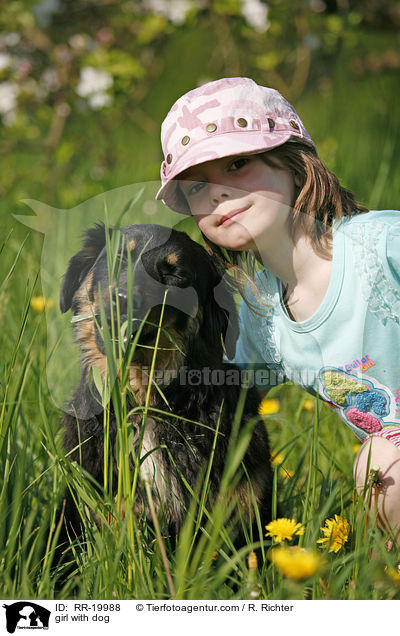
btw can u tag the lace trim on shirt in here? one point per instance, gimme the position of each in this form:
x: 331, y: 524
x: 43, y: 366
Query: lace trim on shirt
x: 378, y: 290
x: 262, y: 322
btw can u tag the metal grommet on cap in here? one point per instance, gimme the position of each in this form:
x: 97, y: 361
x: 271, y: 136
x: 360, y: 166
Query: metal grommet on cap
x: 271, y: 123
x: 169, y: 158
x: 294, y: 124
x: 211, y: 127
x: 242, y: 122
x: 185, y: 140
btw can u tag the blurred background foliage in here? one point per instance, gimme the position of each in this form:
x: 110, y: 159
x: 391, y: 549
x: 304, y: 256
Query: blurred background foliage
x: 84, y: 85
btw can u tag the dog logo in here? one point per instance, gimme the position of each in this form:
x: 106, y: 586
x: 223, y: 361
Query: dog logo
x: 26, y: 615
x: 194, y: 377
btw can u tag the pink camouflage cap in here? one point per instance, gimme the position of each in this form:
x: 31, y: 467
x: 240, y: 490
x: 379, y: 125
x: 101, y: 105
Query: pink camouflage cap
x: 230, y: 116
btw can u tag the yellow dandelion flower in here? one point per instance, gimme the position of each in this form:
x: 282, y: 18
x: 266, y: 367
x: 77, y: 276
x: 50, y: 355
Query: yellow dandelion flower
x: 287, y: 473
x: 394, y: 576
x: 269, y: 406
x: 356, y: 448
x: 308, y: 405
x: 40, y: 303
x: 277, y: 459
x: 281, y: 529
x: 294, y: 562
x: 336, y: 533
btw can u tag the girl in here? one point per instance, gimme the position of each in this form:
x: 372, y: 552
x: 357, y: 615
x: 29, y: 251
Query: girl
x: 325, y: 309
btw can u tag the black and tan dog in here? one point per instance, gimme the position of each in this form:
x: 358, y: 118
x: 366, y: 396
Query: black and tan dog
x: 193, y: 382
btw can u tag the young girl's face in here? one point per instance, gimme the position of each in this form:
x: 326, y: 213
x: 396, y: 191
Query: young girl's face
x: 238, y: 201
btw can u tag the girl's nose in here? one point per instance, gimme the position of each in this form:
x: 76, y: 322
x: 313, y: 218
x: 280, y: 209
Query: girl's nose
x: 219, y: 193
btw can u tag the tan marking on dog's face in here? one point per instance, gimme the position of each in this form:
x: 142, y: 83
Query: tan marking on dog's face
x: 137, y: 380
x: 169, y: 359
x: 170, y: 355
x: 131, y: 244
x: 85, y: 334
x: 172, y: 258
x: 82, y: 294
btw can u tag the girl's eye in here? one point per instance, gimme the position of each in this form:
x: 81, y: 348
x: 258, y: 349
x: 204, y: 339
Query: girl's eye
x: 238, y: 163
x: 195, y: 188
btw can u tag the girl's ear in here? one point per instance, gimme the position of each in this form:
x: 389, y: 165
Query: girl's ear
x: 297, y: 180
x: 81, y: 264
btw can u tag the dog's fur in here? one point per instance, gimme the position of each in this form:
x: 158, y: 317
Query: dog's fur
x: 199, y: 314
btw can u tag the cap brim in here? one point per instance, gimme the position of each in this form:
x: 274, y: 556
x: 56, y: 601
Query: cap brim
x: 223, y: 145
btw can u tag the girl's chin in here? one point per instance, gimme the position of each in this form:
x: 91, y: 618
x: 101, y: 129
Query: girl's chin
x: 237, y: 244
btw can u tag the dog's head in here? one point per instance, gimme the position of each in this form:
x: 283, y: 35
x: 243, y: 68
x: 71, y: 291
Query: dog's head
x: 154, y: 270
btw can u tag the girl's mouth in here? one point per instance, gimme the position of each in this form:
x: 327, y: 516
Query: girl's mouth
x: 227, y: 218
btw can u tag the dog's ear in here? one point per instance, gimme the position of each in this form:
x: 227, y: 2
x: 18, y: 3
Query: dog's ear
x: 223, y: 316
x: 223, y: 313
x: 220, y: 318
x: 81, y: 263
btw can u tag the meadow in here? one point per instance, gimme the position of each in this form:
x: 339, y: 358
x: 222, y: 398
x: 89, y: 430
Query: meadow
x: 356, y: 127
x: 130, y: 558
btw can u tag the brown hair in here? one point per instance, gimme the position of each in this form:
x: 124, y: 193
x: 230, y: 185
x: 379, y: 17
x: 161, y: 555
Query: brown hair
x: 319, y: 200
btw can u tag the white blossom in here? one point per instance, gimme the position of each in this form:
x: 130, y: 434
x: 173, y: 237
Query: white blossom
x: 9, y: 39
x: 50, y: 79
x: 255, y: 13
x: 97, y: 101
x: 174, y: 10
x: 10, y: 118
x: 8, y: 97
x: 80, y: 41
x: 5, y: 60
x: 318, y: 6
x: 93, y: 80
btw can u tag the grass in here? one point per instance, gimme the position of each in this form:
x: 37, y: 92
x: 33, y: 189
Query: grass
x: 131, y: 558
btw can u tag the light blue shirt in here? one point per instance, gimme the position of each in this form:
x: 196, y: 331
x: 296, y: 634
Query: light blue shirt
x: 348, y: 351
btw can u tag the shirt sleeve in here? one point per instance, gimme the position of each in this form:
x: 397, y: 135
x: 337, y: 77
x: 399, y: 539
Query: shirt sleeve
x: 376, y: 250
x: 248, y: 356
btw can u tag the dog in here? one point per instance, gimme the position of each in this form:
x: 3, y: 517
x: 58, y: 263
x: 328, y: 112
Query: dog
x: 162, y: 271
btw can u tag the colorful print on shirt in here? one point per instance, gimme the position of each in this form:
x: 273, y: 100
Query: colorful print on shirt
x: 364, y: 404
